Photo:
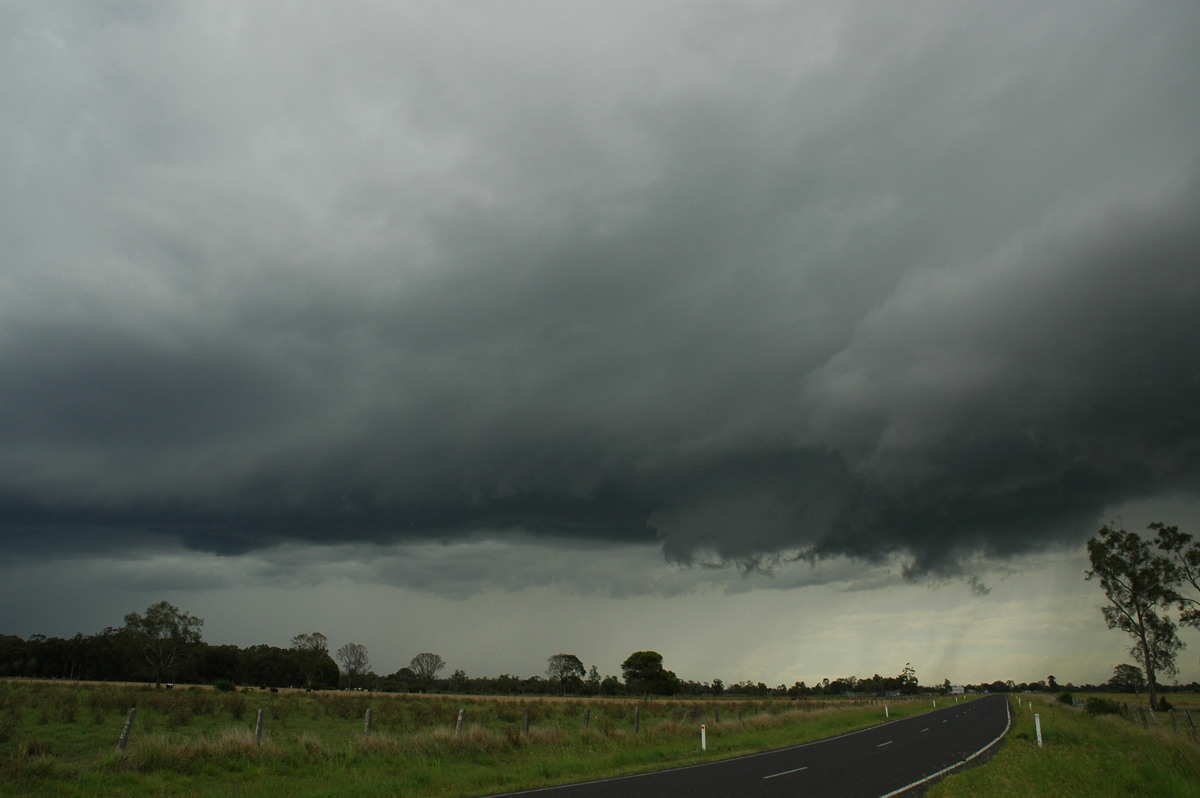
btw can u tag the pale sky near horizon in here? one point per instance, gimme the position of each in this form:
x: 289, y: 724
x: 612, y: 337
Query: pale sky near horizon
x: 789, y: 340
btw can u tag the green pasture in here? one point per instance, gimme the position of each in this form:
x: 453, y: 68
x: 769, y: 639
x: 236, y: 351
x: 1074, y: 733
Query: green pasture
x: 1087, y: 756
x: 60, y: 739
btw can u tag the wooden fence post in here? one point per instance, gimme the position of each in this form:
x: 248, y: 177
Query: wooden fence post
x: 258, y: 724
x: 637, y: 719
x: 459, y: 722
x: 525, y: 722
x: 587, y: 718
x: 367, y: 723
x: 128, y: 728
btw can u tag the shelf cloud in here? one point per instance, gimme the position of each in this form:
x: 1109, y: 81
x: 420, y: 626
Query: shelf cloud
x: 750, y: 282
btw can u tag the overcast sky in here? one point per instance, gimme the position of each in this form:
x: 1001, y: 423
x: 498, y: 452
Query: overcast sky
x: 788, y: 339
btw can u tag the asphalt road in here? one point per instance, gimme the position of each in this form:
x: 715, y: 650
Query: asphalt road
x: 892, y: 759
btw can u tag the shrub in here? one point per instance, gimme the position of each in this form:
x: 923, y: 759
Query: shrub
x: 1100, y: 706
x: 224, y: 685
x: 1066, y: 698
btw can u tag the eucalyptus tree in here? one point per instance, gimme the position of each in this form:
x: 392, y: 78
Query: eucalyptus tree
x: 426, y: 667
x: 1183, y: 554
x: 312, y: 652
x: 1139, y: 585
x: 1127, y: 678
x: 643, y: 672
x: 565, y: 669
x: 353, y: 657
x: 165, y: 633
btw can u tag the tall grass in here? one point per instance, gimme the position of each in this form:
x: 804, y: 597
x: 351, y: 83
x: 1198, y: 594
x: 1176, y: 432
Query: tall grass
x: 201, y: 742
x: 1082, y: 756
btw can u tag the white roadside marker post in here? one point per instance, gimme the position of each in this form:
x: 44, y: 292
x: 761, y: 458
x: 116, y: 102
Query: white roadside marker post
x: 885, y: 711
x: 1037, y: 724
x: 703, y: 738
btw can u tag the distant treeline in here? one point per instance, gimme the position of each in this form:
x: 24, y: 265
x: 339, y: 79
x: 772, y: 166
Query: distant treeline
x: 119, y: 654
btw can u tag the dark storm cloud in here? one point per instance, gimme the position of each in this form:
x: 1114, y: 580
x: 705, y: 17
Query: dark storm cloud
x: 757, y: 282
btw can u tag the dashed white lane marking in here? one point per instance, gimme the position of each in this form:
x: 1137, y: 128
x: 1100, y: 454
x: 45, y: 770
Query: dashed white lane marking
x: 881, y: 745
x: 784, y: 773
x: 932, y: 776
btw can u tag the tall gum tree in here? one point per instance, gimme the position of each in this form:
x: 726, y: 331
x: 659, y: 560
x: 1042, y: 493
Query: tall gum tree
x: 1138, y: 584
x: 353, y: 657
x: 565, y: 670
x: 426, y: 666
x: 1183, y: 553
x: 165, y: 632
x: 312, y: 650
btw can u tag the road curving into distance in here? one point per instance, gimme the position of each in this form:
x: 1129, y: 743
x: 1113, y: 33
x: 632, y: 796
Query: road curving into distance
x: 900, y: 758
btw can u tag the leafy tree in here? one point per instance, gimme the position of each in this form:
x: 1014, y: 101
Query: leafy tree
x: 566, y: 669
x: 353, y: 657
x: 593, y: 681
x: 908, y: 680
x: 404, y: 679
x: 644, y: 673
x: 269, y: 666
x: 1127, y: 678
x: 165, y: 633
x: 426, y: 667
x: 459, y: 682
x: 313, y: 651
x: 1183, y: 554
x: 611, y: 685
x: 1137, y: 583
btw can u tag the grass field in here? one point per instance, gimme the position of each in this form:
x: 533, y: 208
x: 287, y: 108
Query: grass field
x: 59, y: 739
x: 1086, y: 756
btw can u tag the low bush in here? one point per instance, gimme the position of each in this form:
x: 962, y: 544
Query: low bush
x: 1096, y: 705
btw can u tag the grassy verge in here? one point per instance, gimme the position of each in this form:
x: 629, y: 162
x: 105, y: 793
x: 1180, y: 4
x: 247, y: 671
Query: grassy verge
x: 1082, y: 756
x: 58, y: 739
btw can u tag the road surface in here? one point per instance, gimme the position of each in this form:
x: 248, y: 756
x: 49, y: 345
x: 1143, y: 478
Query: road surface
x: 893, y: 759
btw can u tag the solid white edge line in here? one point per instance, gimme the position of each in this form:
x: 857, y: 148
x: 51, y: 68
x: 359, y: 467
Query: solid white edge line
x: 943, y: 771
x: 784, y: 773
x: 711, y: 763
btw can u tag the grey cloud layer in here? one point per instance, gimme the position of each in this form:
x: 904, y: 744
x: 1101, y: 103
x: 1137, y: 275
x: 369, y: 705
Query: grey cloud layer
x: 754, y: 281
